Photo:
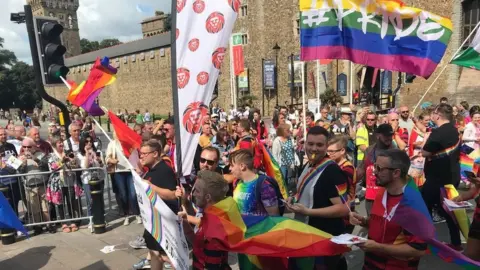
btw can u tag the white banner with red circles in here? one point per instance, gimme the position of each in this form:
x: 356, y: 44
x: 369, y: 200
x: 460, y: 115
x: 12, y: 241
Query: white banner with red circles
x: 203, y: 30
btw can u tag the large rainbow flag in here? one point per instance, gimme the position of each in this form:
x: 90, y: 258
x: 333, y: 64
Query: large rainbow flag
x: 412, y: 207
x: 459, y: 216
x: 273, y: 238
x: 272, y: 169
x: 382, y: 34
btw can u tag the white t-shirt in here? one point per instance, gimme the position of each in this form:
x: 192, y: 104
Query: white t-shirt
x: 75, y: 146
x: 17, y: 144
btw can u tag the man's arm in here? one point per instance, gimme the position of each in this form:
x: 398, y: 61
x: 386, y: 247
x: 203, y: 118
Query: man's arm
x: 165, y: 194
x: 338, y: 209
x: 361, y: 168
x: 400, y: 143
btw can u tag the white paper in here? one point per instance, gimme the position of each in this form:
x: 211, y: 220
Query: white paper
x: 108, y: 249
x: 457, y: 205
x: 348, y: 239
x: 14, y: 162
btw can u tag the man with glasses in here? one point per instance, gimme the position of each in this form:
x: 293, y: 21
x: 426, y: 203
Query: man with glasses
x: 389, y: 246
x: 161, y: 179
x: 405, y: 120
x: 384, y: 134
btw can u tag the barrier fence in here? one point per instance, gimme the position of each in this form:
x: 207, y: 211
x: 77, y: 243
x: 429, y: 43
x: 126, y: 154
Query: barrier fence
x: 38, y: 200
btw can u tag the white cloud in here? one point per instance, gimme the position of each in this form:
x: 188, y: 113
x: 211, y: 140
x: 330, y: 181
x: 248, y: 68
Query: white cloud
x: 97, y: 20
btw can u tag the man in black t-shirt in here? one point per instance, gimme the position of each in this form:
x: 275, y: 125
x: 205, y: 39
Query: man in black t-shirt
x: 442, y: 155
x: 161, y: 179
x: 318, y: 201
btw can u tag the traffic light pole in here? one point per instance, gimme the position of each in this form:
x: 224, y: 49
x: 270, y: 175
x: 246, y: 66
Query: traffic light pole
x: 38, y: 73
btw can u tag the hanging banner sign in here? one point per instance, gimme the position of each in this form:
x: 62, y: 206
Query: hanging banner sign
x: 342, y: 84
x: 243, y: 81
x: 268, y: 74
x: 237, y: 51
x: 386, y: 82
x: 202, y: 38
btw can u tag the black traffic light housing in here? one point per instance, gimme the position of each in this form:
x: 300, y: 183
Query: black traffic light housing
x: 50, y: 50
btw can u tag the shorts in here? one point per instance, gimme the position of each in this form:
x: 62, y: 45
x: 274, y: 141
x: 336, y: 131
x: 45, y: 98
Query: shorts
x: 151, y: 243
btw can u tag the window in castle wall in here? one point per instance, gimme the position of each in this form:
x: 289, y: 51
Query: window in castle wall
x: 243, y: 10
x: 471, y: 16
x: 244, y: 39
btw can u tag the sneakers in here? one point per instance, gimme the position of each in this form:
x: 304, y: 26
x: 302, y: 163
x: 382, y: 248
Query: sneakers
x: 139, y: 220
x: 142, y: 264
x: 126, y: 222
x: 437, y: 218
x: 138, y: 243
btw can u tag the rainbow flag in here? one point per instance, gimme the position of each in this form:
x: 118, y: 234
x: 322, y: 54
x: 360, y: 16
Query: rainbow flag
x: 460, y: 215
x: 272, y: 238
x: 467, y: 164
x: 412, y: 207
x: 370, y: 33
x: 273, y: 170
x: 101, y: 75
x: 343, y: 192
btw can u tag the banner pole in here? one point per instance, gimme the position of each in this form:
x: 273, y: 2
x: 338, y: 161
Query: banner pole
x: 303, y: 103
x: 176, y: 110
x: 318, y: 87
x: 445, y: 67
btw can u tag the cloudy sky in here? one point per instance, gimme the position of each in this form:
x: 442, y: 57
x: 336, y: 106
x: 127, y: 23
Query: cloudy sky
x: 97, y: 19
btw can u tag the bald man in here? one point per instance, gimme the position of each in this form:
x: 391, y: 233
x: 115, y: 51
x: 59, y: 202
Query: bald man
x: 41, y: 145
x: 401, y: 134
x: 19, y: 134
x: 405, y: 119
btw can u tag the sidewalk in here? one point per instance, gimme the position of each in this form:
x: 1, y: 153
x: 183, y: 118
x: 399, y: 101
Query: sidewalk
x: 79, y: 250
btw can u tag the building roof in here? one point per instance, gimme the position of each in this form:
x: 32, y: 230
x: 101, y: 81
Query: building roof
x: 155, y: 18
x: 141, y: 45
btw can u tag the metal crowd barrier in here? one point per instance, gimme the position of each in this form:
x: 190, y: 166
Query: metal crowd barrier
x: 31, y: 205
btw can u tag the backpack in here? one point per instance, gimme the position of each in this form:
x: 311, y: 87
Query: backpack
x: 258, y: 191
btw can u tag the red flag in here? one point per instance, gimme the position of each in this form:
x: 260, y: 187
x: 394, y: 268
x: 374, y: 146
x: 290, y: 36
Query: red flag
x: 238, y: 61
x: 125, y: 135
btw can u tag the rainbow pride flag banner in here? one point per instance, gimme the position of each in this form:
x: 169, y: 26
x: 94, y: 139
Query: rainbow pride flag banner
x: 382, y: 34
x: 412, y: 207
x: 272, y: 169
x: 268, y: 241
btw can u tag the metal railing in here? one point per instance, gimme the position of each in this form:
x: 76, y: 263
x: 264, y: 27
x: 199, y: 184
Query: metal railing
x: 36, y: 204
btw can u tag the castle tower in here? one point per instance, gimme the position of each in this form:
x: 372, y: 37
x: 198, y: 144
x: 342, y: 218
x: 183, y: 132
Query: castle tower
x: 66, y: 12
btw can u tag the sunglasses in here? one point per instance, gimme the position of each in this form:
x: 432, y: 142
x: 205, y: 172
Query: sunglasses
x: 371, y: 119
x: 405, y: 111
x: 26, y: 146
x: 209, y: 162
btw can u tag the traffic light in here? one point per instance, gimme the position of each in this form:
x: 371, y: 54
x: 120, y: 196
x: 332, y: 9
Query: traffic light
x: 409, y: 78
x: 50, y: 50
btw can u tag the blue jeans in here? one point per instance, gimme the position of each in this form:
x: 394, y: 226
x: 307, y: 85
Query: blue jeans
x: 127, y: 193
x: 284, y: 170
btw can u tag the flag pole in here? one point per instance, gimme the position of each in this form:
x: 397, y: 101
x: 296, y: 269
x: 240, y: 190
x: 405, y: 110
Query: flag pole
x: 303, y: 103
x: 176, y: 109
x: 66, y: 83
x: 445, y: 67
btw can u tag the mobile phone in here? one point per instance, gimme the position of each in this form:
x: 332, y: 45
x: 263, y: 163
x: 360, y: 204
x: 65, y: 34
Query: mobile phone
x: 98, y: 154
x: 470, y: 174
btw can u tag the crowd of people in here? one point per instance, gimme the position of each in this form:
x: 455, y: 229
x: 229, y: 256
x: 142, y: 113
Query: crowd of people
x: 373, y: 155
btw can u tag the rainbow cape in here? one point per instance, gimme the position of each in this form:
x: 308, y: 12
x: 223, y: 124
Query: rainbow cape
x: 412, y: 207
x: 277, y: 237
x: 369, y: 33
x: 459, y: 216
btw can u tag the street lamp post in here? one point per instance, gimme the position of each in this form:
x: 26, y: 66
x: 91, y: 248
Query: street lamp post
x: 276, y: 49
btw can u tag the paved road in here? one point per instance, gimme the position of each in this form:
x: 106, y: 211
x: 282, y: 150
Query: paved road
x: 81, y: 250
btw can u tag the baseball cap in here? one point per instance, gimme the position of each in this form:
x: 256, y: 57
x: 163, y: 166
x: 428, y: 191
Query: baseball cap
x: 385, y: 129
x: 214, y: 115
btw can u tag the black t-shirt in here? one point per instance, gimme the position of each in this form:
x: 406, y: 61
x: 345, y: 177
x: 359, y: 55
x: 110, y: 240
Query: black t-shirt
x: 443, y: 167
x: 324, y: 190
x: 163, y: 176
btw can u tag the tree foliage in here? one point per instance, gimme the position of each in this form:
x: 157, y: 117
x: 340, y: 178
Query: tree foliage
x: 17, y: 82
x: 90, y: 46
x: 331, y: 97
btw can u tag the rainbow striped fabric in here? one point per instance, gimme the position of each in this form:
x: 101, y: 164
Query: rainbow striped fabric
x: 273, y: 170
x: 382, y: 34
x: 460, y: 215
x: 412, y: 207
x: 156, y: 220
x: 274, y: 237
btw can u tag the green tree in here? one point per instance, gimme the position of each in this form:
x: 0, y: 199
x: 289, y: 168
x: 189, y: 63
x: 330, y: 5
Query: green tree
x: 331, y: 97
x: 18, y: 86
x: 7, y: 58
x: 109, y: 42
x: 89, y: 46
x: 168, y: 23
